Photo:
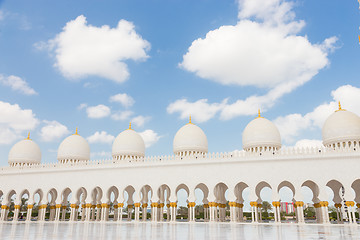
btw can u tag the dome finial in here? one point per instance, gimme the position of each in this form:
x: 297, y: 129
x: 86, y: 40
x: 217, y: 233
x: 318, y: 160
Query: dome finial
x: 28, y: 137
x: 259, y: 114
x: 130, y: 125
x: 190, y: 120
x: 76, y: 131
x: 340, y: 109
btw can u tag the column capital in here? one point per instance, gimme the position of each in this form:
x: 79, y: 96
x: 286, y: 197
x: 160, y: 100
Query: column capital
x: 105, y: 205
x: 43, y: 206
x: 350, y: 203
x: 316, y: 205
x: 232, y: 204
x: 137, y: 204
x: 338, y: 205
x: 324, y: 204
x: 239, y: 205
x: 253, y: 204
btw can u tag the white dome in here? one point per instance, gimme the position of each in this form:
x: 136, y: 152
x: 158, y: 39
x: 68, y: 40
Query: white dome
x: 74, y: 148
x: 261, y: 132
x: 190, y: 139
x: 25, y: 152
x: 128, y: 144
x: 341, y: 126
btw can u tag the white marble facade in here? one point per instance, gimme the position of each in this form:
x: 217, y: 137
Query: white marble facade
x: 91, y: 190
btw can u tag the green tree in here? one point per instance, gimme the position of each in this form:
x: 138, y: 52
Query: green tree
x: 309, y: 212
x: 183, y: 212
x: 199, y: 211
x: 333, y: 212
x: 266, y: 207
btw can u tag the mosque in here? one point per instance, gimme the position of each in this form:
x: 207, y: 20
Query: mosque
x: 78, y: 189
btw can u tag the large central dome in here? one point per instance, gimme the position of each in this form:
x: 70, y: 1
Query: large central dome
x: 190, y: 140
x: 261, y: 135
x: 128, y: 144
x: 341, y: 129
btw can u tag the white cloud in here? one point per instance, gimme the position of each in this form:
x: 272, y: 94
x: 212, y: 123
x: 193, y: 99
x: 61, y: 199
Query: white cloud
x: 308, y: 143
x: 150, y: 137
x: 250, y: 105
x: 124, y: 115
x: 101, y: 137
x: 83, y: 50
x: 99, y: 111
x: 123, y: 99
x: 200, y: 111
x: 273, y: 12
x: 291, y: 126
x: 234, y: 54
x: 140, y: 120
x: 14, y: 121
x: 264, y: 49
x: 17, y: 84
x: 53, y: 130
x: 7, y: 135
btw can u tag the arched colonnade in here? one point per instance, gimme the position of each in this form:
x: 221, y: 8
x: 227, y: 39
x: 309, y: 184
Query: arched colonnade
x: 160, y: 202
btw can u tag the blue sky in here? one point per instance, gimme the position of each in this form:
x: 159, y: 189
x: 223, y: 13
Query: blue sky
x: 69, y: 64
